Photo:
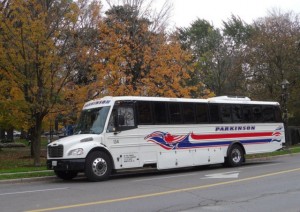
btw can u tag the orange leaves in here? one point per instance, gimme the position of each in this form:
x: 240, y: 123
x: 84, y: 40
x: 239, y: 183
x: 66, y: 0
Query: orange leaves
x: 137, y: 61
x: 37, y: 46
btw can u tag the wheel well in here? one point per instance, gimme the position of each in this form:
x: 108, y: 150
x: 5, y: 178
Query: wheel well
x: 101, y: 149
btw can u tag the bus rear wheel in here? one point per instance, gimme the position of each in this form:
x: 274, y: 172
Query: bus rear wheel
x: 98, y: 166
x: 235, y: 156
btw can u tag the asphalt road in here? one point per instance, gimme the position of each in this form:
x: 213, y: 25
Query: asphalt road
x: 266, y: 185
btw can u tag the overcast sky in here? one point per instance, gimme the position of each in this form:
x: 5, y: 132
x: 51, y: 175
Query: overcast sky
x: 186, y: 11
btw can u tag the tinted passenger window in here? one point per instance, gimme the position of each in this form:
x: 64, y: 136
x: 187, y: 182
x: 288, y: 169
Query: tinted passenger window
x: 225, y: 113
x: 237, y: 114
x: 160, y: 113
x: 247, y: 114
x: 214, y: 113
x: 201, y: 113
x: 144, y: 113
x: 257, y: 114
x: 268, y: 114
x: 175, y: 115
x: 188, y: 113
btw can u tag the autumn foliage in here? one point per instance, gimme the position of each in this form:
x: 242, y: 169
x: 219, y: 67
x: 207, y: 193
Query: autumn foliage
x: 55, y: 54
x: 136, y: 61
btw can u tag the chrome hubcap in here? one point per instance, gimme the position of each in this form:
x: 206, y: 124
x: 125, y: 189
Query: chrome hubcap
x: 99, y: 166
x: 236, y: 155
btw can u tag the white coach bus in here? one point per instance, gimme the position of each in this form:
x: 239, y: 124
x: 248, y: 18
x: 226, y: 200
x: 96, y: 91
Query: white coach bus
x: 118, y: 133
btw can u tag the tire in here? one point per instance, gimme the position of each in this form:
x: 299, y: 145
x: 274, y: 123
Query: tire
x: 235, y: 156
x: 66, y: 175
x: 98, y: 166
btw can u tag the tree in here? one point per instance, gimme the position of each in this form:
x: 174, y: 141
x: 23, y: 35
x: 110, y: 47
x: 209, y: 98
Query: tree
x: 218, y: 55
x: 236, y: 34
x: 37, y: 43
x: 273, y: 55
x: 237, y: 30
x: 144, y: 8
x: 211, y: 57
x: 137, y: 61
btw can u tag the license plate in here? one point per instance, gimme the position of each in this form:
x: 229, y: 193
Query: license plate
x: 54, y: 163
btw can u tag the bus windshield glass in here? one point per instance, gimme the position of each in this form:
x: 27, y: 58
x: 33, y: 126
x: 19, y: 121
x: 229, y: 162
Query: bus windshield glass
x: 92, y: 121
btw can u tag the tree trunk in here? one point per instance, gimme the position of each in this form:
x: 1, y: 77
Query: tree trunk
x: 2, y: 134
x: 10, y: 135
x: 30, y: 141
x: 36, y: 140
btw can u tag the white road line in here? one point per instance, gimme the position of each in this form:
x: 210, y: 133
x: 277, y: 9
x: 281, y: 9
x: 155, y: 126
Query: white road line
x: 159, y: 178
x: 33, y: 191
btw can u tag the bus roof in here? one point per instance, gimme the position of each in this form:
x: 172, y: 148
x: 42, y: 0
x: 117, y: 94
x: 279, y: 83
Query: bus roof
x: 109, y: 100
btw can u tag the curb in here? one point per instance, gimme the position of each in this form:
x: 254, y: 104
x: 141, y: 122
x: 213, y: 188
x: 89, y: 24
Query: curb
x: 28, y: 180
x: 271, y: 157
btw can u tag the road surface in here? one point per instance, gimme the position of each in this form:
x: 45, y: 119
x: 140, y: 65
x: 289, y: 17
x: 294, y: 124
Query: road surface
x: 265, y: 185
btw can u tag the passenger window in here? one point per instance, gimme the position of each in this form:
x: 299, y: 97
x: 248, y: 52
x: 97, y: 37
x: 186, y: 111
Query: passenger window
x: 247, y: 114
x: 237, y: 115
x: 268, y: 114
x: 144, y: 113
x: 188, y: 113
x: 174, y: 113
x: 214, y: 113
x: 257, y: 113
x: 225, y: 113
x: 201, y: 113
x: 160, y: 113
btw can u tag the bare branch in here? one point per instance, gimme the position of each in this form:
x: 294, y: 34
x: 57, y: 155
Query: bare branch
x: 158, y: 17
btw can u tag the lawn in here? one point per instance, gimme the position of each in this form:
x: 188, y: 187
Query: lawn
x: 19, y: 160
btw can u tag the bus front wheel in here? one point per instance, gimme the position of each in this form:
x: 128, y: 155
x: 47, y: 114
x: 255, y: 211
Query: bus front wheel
x: 98, y: 166
x: 235, y: 156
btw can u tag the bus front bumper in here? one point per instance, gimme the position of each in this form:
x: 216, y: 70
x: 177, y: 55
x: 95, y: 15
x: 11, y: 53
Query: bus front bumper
x: 66, y: 165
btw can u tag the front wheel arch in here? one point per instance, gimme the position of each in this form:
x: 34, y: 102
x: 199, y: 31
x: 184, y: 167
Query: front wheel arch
x: 102, y: 149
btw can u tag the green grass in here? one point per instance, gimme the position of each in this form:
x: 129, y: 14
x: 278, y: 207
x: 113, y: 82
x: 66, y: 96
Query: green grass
x: 26, y: 175
x: 292, y: 150
x: 16, y: 160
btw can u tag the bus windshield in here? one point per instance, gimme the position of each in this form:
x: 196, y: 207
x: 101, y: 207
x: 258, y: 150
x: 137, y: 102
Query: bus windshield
x: 92, y: 121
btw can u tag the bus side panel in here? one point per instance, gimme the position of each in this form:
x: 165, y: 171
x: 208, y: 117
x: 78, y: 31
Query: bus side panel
x: 190, y: 157
x: 204, y: 156
x: 174, y: 159
x: 269, y: 143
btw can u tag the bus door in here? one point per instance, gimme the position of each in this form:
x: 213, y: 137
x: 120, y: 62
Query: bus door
x: 121, y: 136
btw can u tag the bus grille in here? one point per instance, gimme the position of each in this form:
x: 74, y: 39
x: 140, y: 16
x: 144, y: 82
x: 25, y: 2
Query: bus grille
x: 56, y: 151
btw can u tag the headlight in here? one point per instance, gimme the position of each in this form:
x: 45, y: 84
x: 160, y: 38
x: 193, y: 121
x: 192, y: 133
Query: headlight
x: 78, y: 151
